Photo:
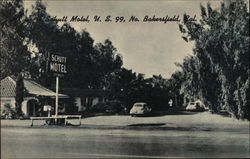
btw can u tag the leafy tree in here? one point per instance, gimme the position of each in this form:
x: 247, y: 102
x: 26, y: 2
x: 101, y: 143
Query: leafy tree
x: 190, y: 86
x: 88, y: 65
x: 107, y: 62
x: 127, y: 86
x: 222, y: 49
x: 157, y: 92
x: 20, y: 93
x: 14, y: 55
x: 78, y: 47
x: 174, y: 86
x: 43, y: 35
x: 130, y: 87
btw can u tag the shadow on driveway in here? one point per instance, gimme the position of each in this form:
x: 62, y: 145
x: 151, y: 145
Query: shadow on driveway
x: 147, y: 124
x: 153, y: 114
x: 164, y: 113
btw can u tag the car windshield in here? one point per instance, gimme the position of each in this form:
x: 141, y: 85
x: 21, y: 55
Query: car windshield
x: 139, y: 105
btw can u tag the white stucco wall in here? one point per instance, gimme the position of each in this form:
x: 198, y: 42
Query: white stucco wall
x: 95, y: 101
x: 25, y: 104
x: 81, y: 106
x: 12, y: 102
x: 78, y: 102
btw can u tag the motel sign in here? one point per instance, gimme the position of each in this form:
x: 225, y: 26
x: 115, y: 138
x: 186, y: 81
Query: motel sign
x: 58, y: 64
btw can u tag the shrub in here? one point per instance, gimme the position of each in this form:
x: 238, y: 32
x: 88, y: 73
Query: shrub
x: 9, y: 112
x: 99, y: 107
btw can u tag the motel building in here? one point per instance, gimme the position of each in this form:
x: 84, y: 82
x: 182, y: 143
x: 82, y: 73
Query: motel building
x: 86, y: 98
x: 31, y: 104
x: 82, y: 98
x: 37, y: 97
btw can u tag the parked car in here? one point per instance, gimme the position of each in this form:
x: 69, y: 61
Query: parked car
x: 140, y: 109
x: 196, y: 106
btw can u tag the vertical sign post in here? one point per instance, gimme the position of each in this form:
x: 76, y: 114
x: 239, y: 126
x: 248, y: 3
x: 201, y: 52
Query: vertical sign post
x: 57, y: 88
x: 58, y: 67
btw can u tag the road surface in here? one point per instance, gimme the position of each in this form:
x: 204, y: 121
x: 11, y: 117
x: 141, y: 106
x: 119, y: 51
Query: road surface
x: 183, y: 135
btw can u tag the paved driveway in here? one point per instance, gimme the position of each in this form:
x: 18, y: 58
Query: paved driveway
x: 200, y: 120
x: 183, y: 135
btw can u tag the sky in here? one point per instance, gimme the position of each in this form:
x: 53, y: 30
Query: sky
x: 151, y: 48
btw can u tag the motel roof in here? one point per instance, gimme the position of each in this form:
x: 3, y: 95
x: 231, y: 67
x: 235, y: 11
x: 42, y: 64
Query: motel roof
x: 8, y: 88
x: 77, y: 92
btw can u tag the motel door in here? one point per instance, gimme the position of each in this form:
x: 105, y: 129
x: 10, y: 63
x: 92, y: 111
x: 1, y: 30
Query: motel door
x: 33, y: 107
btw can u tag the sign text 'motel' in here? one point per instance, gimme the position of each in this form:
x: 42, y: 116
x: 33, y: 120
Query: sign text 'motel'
x: 58, y: 64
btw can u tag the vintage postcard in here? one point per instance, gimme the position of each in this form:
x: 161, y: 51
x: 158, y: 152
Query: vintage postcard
x: 124, y: 78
